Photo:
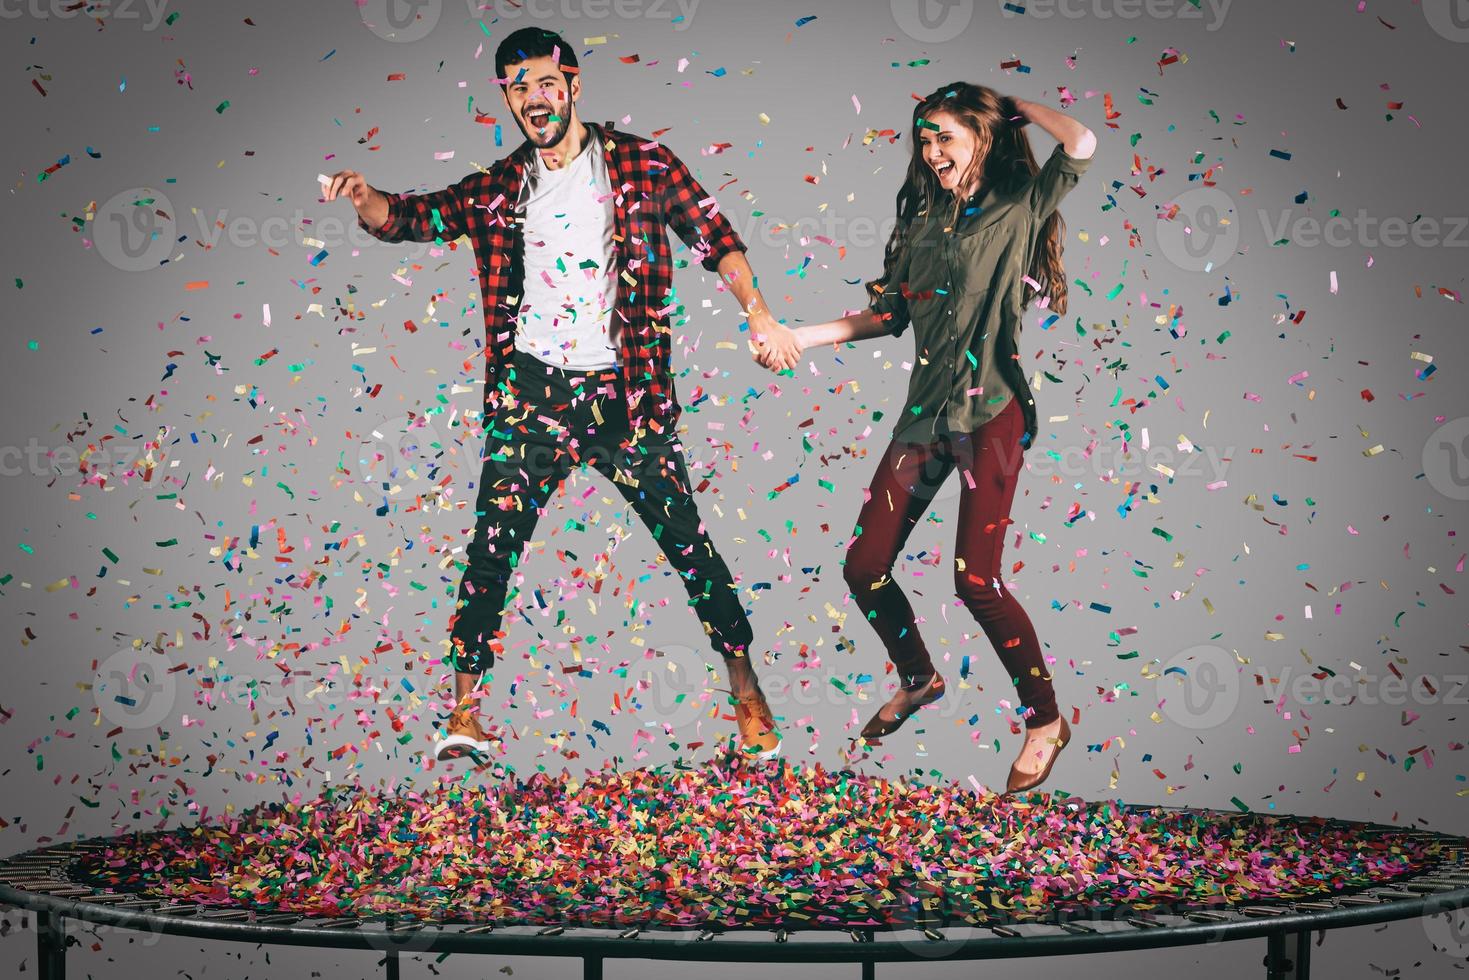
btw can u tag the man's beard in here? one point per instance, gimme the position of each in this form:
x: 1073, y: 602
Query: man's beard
x: 555, y: 131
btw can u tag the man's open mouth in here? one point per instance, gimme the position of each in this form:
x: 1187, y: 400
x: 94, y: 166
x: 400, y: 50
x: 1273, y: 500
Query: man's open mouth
x: 538, y: 118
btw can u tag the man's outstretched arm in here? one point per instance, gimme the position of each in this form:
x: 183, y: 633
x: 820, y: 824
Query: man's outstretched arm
x: 692, y: 213
x: 438, y: 216
x: 775, y: 344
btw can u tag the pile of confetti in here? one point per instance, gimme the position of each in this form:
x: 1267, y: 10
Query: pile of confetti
x: 742, y: 846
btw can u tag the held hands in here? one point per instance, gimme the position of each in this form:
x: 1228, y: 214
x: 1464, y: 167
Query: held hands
x: 774, y: 345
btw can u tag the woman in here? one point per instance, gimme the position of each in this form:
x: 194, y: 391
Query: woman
x: 976, y: 217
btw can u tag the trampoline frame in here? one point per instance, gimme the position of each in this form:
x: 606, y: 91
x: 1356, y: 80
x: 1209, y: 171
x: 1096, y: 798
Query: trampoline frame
x: 36, y: 881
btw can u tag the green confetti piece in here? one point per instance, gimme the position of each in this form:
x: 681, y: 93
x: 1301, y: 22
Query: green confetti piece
x: 222, y: 107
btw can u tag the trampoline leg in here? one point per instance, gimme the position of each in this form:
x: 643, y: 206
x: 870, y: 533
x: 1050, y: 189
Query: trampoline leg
x: 591, y: 968
x: 1288, y: 956
x: 50, y: 946
x: 869, y: 970
x: 390, y: 969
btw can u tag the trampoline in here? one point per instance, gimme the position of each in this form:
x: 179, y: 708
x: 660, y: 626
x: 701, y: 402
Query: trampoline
x: 739, y: 863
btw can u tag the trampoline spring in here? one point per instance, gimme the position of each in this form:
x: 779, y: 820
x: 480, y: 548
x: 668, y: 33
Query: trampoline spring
x: 107, y: 898
x: 1394, y: 893
x: 1262, y: 911
x: 225, y: 915
x: 631, y: 932
x: 277, y: 918
x: 860, y: 935
x: 782, y: 935
x: 1315, y: 906
x: 1428, y: 886
x: 1360, y: 900
x: 177, y: 909
x: 704, y: 935
x: 1203, y: 915
x: 1139, y: 922
x: 1076, y: 928
x: 347, y: 922
x: 933, y: 935
x: 483, y: 929
x: 67, y: 891
x: 405, y: 926
x: 552, y: 931
x: 1005, y: 931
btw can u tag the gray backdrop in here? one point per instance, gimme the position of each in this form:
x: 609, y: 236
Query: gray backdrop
x: 1318, y: 451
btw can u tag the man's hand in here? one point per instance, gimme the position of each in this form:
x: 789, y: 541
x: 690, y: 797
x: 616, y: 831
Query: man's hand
x: 371, y: 204
x: 776, y: 346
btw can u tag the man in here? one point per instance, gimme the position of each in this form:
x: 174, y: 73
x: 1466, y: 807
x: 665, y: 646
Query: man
x: 570, y: 235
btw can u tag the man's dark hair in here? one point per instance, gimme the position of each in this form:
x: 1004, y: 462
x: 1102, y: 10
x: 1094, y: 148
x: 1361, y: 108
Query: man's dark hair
x: 534, y: 42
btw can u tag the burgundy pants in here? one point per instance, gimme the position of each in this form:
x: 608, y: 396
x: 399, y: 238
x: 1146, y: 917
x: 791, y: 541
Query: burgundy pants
x: 989, y: 461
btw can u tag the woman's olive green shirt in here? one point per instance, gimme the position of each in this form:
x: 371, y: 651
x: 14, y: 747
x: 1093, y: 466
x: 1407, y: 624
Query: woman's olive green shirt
x: 960, y: 287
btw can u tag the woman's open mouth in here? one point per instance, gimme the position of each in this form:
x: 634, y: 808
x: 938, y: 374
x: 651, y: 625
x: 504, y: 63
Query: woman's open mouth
x: 944, y: 169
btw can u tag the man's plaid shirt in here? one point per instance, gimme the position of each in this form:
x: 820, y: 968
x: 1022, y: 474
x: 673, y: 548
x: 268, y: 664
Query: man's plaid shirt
x: 652, y: 190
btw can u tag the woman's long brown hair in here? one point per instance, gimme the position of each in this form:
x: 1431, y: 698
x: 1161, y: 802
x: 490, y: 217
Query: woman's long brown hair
x: 1004, y: 157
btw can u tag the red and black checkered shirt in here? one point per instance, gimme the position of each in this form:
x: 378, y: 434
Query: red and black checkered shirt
x: 653, y: 191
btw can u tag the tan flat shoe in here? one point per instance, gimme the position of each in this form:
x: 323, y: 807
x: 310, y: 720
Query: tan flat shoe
x: 879, y: 725
x: 1019, y: 781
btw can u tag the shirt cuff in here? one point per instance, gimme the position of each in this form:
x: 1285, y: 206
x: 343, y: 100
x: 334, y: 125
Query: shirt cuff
x: 390, y: 224
x: 1067, y: 163
x: 712, y: 260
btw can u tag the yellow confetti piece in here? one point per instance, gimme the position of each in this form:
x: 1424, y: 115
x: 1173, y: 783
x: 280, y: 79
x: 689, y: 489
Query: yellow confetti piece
x: 1373, y: 451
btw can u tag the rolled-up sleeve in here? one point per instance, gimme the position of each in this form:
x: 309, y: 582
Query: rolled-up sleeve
x: 1057, y: 176
x: 695, y: 217
x: 892, y: 305
x: 438, y: 216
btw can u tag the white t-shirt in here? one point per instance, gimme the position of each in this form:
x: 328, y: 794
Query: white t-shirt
x: 566, y: 313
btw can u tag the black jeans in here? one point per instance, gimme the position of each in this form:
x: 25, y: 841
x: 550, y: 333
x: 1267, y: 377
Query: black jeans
x: 560, y: 420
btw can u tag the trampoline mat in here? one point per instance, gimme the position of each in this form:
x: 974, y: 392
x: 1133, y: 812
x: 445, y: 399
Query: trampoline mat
x: 736, y: 844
